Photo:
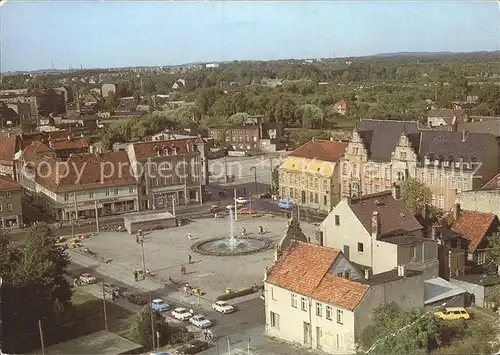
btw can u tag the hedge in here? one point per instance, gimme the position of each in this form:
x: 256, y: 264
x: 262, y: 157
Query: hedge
x: 240, y: 293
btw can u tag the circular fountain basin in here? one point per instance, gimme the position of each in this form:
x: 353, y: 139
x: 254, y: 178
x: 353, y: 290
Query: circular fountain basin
x: 226, y: 247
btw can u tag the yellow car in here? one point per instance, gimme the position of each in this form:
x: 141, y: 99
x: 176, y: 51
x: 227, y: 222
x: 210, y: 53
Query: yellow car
x: 453, y: 313
x: 61, y: 239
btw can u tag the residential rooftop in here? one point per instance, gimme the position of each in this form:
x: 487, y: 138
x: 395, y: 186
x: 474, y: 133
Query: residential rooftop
x: 324, y: 150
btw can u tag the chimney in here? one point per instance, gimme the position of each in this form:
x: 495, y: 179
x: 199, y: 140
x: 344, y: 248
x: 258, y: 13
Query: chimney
x: 401, y: 271
x: 433, y: 232
x: 456, y: 211
x: 396, y: 192
x: 375, y: 225
x: 367, y: 274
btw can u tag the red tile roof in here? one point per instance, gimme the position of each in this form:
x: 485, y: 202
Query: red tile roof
x: 303, y: 269
x: 146, y: 150
x: 86, y: 171
x: 493, y: 184
x: 7, y: 183
x: 8, y: 145
x: 64, y: 144
x: 321, y: 150
x: 395, y: 217
x: 471, y: 225
x: 32, y: 152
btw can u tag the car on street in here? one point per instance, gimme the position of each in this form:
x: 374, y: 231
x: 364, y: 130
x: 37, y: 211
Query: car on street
x: 265, y: 195
x: 241, y: 200
x: 181, y: 314
x: 453, y: 313
x: 159, y: 305
x: 137, y: 299
x: 285, y: 205
x: 200, y: 321
x: 231, y: 207
x: 192, y: 347
x: 222, y: 307
x: 87, y: 278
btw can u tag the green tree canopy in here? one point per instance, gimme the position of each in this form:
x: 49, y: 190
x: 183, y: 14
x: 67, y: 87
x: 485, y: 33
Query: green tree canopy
x: 416, y: 195
x: 141, y: 330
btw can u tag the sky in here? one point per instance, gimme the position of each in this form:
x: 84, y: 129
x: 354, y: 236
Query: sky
x: 102, y: 34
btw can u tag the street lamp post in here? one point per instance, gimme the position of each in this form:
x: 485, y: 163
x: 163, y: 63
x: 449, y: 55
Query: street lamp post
x: 141, y: 241
x: 254, y: 168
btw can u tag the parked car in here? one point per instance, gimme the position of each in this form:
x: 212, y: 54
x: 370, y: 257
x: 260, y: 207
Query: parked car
x: 159, y: 305
x: 222, y: 307
x: 87, y: 278
x: 241, y: 200
x: 137, y: 299
x: 231, y: 207
x: 453, y: 313
x: 192, y: 347
x: 200, y: 321
x: 181, y: 314
x: 265, y: 195
x: 286, y: 205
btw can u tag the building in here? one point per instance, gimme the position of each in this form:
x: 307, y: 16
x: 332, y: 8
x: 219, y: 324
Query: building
x: 11, y: 210
x: 212, y: 65
x: 309, y: 176
x: 9, y: 144
x: 486, y: 199
x: 382, y: 153
x: 444, y: 117
x: 379, y: 232
x: 468, y: 231
x: 479, y: 286
x: 168, y: 172
x: 83, y: 184
x: 340, y: 107
x: 107, y: 89
x: 26, y: 98
x: 65, y: 147
x: 316, y: 298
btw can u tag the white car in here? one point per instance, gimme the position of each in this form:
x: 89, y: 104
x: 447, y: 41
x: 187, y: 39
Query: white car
x: 86, y: 278
x: 200, y: 321
x: 222, y: 307
x: 241, y: 200
x: 181, y: 314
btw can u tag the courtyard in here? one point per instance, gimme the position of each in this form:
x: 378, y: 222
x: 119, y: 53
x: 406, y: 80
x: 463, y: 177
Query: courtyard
x: 166, y: 250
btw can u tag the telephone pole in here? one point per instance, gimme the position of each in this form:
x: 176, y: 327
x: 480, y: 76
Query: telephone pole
x: 96, y: 216
x: 143, y: 258
x: 235, y: 207
x: 151, y: 314
x: 271, y: 171
x: 104, y: 306
x: 41, y: 336
x: 254, y: 168
x: 226, y: 178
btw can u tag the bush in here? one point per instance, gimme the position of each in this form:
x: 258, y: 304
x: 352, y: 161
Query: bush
x: 240, y: 293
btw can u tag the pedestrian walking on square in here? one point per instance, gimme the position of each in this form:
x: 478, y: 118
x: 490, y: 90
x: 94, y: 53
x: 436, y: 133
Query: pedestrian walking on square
x: 190, y: 258
x: 136, y: 277
x: 183, y: 270
x: 261, y: 230
x: 191, y: 311
x: 137, y: 238
x: 190, y: 236
x: 205, y: 334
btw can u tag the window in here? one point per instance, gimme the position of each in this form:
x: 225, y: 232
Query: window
x: 459, y: 184
x: 311, y: 197
x: 91, y: 194
x: 453, y: 183
x: 325, y: 200
x: 337, y: 220
x: 303, y: 303
x: 66, y: 197
x: 376, y: 188
x: 316, y: 183
x: 433, y: 202
x: 275, y: 320
x: 446, y: 163
x: 340, y: 316
x: 375, y: 174
x: 481, y: 258
x: 272, y: 294
x: 355, y: 151
x: 457, y: 165
x: 1, y: 207
x: 131, y: 189
x: 9, y: 206
x: 354, y: 169
x: 328, y: 312
x: 402, y: 156
x: 360, y: 247
x: 367, y: 170
x: 465, y: 184
x: 319, y: 309
x: 294, y: 300
x: 325, y: 185
x: 316, y: 198
x: 107, y: 192
x: 441, y: 201
x: 339, y: 341
x: 432, y: 181
x: 436, y: 162
x: 427, y: 161
x: 413, y: 252
x: 387, y: 173
x: 345, y: 168
x: 8, y: 194
x: 347, y: 275
x: 441, y: 180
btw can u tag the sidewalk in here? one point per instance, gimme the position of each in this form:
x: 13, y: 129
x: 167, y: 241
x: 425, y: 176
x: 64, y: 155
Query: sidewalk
x: 126, y: 276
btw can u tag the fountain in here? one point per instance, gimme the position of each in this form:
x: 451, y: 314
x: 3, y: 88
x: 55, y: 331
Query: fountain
x: 232, y: 245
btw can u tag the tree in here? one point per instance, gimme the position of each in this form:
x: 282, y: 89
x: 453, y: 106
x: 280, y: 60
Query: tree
x: 276, y: 181
x: 36, y: 288
x: 311, y: 116
x: 416, y: 195
x: 493, y: 255
x: 141, y: 330
x: 28, y: 125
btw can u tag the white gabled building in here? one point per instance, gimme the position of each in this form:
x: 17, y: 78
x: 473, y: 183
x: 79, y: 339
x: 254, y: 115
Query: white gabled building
x: 315, y: 297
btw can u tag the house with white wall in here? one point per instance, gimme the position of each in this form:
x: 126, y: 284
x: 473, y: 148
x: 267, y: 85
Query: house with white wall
x: 379, y: 232
x: 315, y: 297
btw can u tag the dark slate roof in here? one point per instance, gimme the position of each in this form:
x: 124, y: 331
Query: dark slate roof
x: 386, y: 277
x: 395, y: 217
x: 403, y: 239
x: 384, y: 136
x: 479, y: 279
x: 452, y: 146
x: 489, y: 126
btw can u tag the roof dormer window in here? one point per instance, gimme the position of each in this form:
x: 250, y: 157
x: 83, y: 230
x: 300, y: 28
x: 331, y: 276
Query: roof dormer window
x: 436, y: 162
x: 427, y: 161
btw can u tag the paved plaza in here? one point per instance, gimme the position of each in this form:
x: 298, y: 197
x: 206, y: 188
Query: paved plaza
x: 166, y: 250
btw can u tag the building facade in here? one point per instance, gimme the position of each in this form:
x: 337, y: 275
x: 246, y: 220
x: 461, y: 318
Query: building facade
x: 11, y: 210
x: 168, y: 172
x: 316, y: 298
x: 382, y: 153
x: 309, y: 176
